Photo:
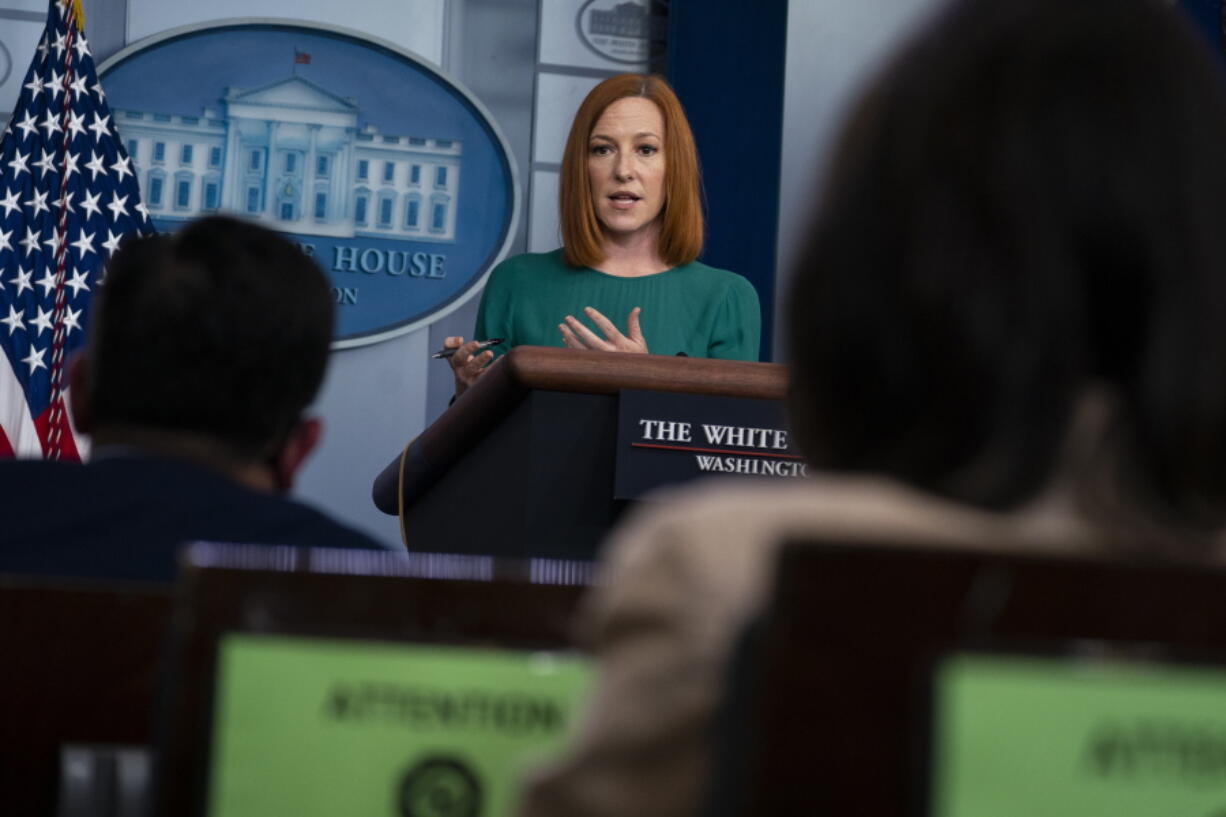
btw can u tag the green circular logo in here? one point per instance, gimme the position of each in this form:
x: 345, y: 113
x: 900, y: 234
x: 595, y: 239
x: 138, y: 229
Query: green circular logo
x: 440, y: 787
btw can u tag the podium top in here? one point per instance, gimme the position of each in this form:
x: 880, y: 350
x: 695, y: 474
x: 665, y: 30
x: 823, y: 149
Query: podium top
x: 590, y: 372
x: 527, y: 368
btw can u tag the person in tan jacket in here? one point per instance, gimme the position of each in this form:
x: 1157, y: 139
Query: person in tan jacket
x: 1008, y: 333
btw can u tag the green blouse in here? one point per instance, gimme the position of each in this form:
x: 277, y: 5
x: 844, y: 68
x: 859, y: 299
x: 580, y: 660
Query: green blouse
x: 695, y: 309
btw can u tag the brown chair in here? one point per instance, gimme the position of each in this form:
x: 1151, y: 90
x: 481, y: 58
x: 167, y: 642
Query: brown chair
x: 454, y: 600
x: 79, y: 664
x: 827, y: 711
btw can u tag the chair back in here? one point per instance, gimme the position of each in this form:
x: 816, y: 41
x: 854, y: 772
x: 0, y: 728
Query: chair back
x: 830, y: 697
x: 320, y: 682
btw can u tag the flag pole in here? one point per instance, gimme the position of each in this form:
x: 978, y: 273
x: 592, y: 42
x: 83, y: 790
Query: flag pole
x: 55, y: 443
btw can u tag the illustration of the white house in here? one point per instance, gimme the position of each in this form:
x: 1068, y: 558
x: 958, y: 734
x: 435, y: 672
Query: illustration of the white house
x: 291, y: 154
x: 627, y: 19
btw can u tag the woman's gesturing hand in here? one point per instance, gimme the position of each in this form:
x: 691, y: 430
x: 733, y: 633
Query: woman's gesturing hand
x: 577, y: 336
x: 465, y: 365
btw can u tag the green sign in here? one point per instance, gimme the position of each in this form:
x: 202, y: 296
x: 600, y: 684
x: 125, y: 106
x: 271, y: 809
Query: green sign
x: 315, y: 727
x: 1039, y: 737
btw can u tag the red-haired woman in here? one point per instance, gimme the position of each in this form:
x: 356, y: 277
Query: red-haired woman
x: 625, y: 279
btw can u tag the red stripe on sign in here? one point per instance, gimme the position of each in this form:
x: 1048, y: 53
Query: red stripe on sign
x: 717, y: 451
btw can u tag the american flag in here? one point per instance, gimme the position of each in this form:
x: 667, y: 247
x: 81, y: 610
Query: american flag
x: 69, y: 197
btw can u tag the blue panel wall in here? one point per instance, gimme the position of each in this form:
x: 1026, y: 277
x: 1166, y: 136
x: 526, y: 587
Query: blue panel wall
x: 726, y: 60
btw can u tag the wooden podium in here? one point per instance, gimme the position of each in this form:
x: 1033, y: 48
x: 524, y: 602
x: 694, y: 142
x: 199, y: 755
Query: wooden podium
x: 522, y: 464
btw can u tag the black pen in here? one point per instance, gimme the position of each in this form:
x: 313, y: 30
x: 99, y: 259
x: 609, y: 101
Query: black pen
x: 485, y: 344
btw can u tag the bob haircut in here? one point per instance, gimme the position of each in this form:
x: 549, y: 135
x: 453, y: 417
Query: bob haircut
x: 1028, y: 202
x: 681, y: 230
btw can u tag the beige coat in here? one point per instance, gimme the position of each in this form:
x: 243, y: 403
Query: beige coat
x: 684, y: 575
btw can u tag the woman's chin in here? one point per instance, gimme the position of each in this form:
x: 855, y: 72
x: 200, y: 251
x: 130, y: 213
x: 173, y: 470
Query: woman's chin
x: 626, y: 227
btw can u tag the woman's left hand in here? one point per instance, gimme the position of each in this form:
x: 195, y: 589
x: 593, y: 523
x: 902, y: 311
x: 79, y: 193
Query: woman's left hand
x: 577, y: 336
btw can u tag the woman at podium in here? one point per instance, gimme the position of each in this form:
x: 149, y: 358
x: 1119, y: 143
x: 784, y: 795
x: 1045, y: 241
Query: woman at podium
x: 626, y: 278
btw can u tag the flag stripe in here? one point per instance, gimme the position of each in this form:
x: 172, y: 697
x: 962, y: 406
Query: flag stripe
x: 80, y: 440
x: 15, y: 421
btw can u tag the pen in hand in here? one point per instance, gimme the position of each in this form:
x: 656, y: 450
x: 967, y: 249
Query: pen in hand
x: 485, y: 344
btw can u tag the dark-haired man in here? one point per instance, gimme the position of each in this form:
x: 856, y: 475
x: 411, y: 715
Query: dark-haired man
x: 205, y: 349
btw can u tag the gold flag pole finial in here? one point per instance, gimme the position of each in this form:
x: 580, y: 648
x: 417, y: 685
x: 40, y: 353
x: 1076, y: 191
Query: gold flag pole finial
x: 78, y: 14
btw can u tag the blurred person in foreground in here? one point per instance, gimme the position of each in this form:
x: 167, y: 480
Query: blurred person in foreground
x: 1008, y: 333
x: 626, y: 278
x: 205, y: 348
